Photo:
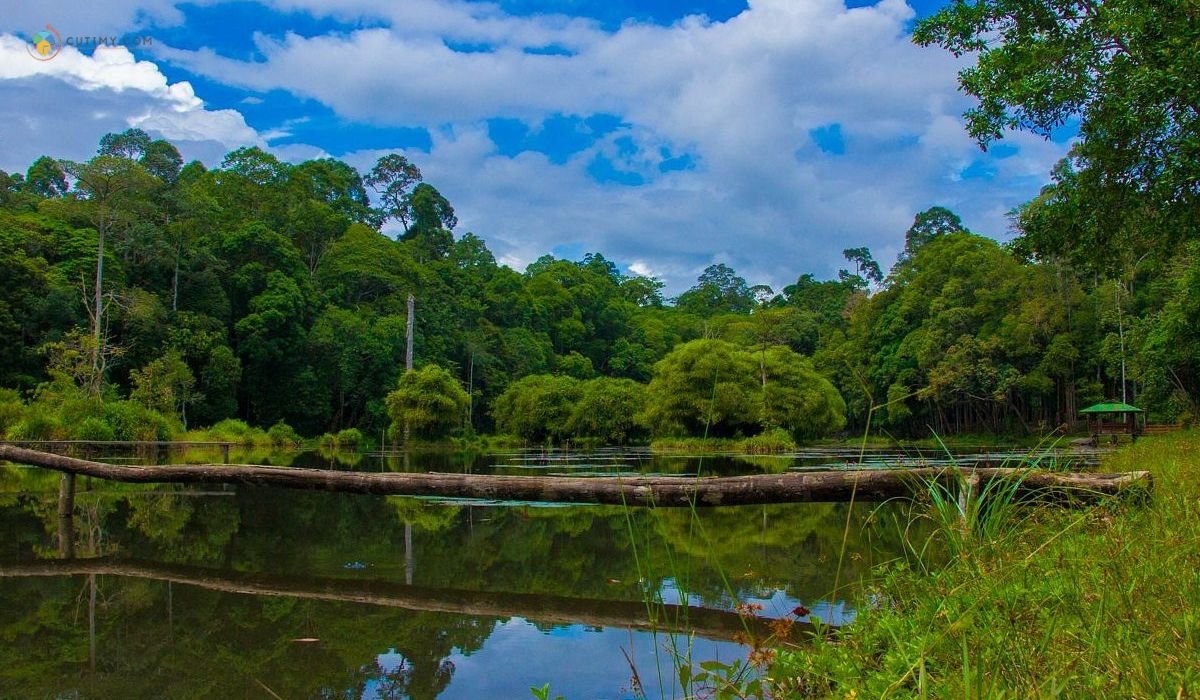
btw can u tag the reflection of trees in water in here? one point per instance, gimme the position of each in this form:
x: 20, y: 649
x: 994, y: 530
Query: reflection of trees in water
x: 152, y: 639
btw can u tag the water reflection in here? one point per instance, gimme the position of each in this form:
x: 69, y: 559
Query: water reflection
x: 158, y: 591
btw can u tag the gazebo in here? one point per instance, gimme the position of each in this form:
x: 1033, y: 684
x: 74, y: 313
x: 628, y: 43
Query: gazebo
x: 1113, y: 418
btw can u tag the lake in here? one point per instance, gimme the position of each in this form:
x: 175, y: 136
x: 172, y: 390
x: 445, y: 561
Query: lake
x: 177, y: 592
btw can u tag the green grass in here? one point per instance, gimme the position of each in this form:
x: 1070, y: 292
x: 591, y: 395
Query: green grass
x: 772, y: 441
x: 1100, y: 601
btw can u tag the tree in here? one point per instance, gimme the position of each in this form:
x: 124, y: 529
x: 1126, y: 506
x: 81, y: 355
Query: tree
x: 607, y: 409
x: 46, y: 178
x: 718, y: 290
x: 928, y: 225
x: 704, y: 387
x: 864, y: 263
x: 165, y: 385
x: 429, y: 400
x: 130, y: 144
x: 797, y: 398
x: 537, y: 407
x: 108, y: 185
x: 392, y: 178
x: 162, y: 160
x: 1125, y: 70
x: 643, y: 291
x: 713, y: 387
x: 431, y: 218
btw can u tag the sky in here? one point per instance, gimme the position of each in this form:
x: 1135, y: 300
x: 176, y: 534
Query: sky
x: 767, y: 135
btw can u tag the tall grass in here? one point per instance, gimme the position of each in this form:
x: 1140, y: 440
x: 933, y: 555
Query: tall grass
x: 1098, y: 601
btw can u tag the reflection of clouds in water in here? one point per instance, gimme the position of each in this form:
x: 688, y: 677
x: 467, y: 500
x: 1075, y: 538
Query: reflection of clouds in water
x: 780, y: 604
x: 576, y: 660
x: 777, y: 604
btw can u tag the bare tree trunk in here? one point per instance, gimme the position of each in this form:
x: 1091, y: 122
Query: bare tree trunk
x: 662, y: 491
x: 408, y: 355
x: 98, y: 302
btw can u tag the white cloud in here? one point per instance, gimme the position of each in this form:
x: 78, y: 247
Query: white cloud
x: 740, y: 97
x: 73, y: 18
x: 63, y: 106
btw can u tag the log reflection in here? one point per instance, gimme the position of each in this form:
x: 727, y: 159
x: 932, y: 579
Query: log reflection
x: 705, y: 622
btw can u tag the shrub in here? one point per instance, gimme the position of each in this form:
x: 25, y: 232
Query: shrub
x: 537, y: 407
x: 237, y: 432
x: 11, y: 409
x: 716, y: 388
x: 607, y: 410
x: 283, y: 435
x: 350, y: 437
x: 131, y: 421
x: 769, y: 442
x: 37, y: 424
x: 93, y: 428
x: 430, y: 401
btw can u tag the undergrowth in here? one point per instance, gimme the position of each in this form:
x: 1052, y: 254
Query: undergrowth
x: 1094, y: 601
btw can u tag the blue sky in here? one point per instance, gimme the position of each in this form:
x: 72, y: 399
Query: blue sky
x: 767, y: 135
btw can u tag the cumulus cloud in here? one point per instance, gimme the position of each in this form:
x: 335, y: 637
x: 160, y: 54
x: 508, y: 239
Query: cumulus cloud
x: 63, y: 106
x: 740, y: 99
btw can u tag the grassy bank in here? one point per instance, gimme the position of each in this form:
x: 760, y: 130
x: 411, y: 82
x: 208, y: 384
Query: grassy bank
x: 1093, y: 602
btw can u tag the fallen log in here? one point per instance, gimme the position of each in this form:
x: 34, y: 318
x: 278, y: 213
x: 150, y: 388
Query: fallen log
x: 660, y: 491
x: 711, y: 623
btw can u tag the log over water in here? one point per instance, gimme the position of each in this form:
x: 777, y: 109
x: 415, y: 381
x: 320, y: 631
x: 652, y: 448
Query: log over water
x: 660, y: 491
x: 706, y: 622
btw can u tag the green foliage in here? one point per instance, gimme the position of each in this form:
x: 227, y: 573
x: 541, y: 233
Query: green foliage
x: 284, y: 435
x: 132, y: 421
x: 704, y: 387
x: 37, y: 423
x: 11, y: 409
x: 235, y: 431
x: 719, y: 289
x: 166, y: 385
x: 1122, y: 70
x: 712, y: 387
x: 429, y: 401
x: 557, y: 408
x: 1051, y: 601
x: 537, y: 407
x: 770, y: 441
x: 348, y: 437
x: 607, y: 409
x: 264, y: 291
x: 93, y: 428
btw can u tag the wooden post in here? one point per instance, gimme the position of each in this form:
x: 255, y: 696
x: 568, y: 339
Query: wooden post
x: 225, y: 453
x: 66, y: 537
x: 66, y: 495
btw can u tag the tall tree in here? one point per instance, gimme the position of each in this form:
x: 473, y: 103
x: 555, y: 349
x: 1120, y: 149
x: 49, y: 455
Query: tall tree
x: 393, y: 177
x: 1125, y: 70
x: 107, y: 184
x: 718, y: 289
x: 928, y: 225
x: 864, y: 263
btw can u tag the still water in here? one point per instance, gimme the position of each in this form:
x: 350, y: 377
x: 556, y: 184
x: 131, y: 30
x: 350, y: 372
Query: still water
x: 180, y: 592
